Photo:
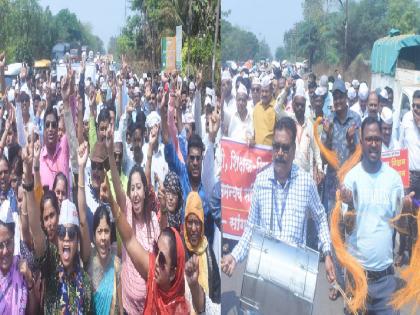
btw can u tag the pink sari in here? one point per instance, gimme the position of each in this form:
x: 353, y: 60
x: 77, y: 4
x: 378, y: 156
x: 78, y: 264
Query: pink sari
x: 13, y: 291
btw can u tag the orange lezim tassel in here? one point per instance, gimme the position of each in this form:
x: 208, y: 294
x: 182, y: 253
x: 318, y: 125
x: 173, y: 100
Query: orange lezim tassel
x: 411, y: 275
x: 328, y: 154
x: 354, y: 268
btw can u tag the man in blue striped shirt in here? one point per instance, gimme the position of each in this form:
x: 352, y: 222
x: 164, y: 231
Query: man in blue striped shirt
x: 291, y: 194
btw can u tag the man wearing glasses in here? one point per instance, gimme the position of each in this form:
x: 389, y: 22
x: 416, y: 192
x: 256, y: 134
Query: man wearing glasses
x: 291, y: 194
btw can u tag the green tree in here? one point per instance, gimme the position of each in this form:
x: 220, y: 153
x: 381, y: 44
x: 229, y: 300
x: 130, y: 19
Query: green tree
x: 404, y: 15
x: 280, y: 53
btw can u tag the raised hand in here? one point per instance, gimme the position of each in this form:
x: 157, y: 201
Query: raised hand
x: 109, y: 140
x: 214, y: 124
x: 350, y: 134
x: 28, y: 156
x: 2, y: 60
x: 82, y: 155
x: 66, y: 85
x: 26, y: 272
x: 228, y: 264
x: 153, y: 135
x: 192, y: 270
x: 37, y: 152
x: 327, y: 126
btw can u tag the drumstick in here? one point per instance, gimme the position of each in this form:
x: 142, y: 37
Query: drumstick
x: 343, y: 294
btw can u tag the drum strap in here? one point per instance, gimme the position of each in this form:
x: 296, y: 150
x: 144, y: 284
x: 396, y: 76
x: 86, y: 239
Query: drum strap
x: 274, y: 204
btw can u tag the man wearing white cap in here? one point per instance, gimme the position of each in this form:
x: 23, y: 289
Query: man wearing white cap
x: 360, y: 107
x: 264, y: 116
x: 355, y: 84
x: 229, y: 102
x: 255, y: 90
x: 389, y: 142
x: 159, y: 165
x: 351, y: 96
x: 328, y: 101
x: 241, y: 125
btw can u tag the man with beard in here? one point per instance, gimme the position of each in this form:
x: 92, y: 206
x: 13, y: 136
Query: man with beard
x: 389, y: 142
x: 410, y: 139
x: 376, y: 192
x: 295, y: 197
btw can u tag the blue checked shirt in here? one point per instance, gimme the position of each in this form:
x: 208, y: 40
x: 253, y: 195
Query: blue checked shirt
x: 300, y: 199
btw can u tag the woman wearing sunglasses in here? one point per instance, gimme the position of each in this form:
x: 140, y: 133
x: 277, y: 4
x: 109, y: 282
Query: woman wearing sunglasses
x: 67, y: 286
x: 139, y: 207
x: 163, y: 269
x: 170, y: 198
x: 196, y: 244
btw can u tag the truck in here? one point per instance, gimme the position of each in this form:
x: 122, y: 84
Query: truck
x: 395, y: 62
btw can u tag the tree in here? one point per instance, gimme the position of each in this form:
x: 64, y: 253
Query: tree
x: 280, y: 53
x: 404, y: 15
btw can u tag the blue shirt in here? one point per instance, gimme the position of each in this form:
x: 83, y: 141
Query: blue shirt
x: 371, y: 240
x: 292, y: 204
x: 182, y: 171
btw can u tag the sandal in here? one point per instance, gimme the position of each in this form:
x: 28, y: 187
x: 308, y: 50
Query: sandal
x: 334, y: 294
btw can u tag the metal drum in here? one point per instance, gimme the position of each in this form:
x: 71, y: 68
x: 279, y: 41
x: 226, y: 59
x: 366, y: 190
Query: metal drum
x: 279, y: 278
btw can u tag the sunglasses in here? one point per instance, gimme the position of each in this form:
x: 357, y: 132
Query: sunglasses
x: 416, y: 106
x: 70, y: 231
x: 97, y: 166
x: 285, y: 148
x: 8, y: 244
x: 161, y: 257
x: 51, y: 124
x: 373, y: 139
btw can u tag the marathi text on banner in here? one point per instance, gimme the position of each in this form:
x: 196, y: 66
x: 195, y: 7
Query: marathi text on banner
x: 240, y: 166
x: 398, y: 160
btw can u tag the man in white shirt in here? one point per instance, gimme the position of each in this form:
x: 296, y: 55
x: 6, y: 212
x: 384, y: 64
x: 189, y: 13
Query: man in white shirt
x: 241, y: 125
x: 229, y: 101
x: 389, y: 142
x: 360, y: 107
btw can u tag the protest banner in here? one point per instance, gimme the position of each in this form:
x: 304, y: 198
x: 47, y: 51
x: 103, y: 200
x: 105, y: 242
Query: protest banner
x: 398, y: 160
x: 240, y: 166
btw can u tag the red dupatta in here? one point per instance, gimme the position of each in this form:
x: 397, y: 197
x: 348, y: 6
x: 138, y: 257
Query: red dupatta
x: 172, y: 301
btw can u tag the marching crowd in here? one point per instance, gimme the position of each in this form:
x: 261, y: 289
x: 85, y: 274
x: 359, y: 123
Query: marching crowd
x: 109, y: 199
x: 277, y: 106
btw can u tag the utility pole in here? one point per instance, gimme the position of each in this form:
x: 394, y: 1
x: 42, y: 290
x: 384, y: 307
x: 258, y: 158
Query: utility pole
x: 216, y: 36
x: 189, y: 36
x: 346, y: 21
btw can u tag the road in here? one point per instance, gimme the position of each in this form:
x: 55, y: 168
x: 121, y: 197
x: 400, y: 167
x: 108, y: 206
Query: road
x: 231, y: 288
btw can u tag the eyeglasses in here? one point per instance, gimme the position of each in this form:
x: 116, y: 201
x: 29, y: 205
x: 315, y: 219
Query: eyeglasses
x: 416, y: 106
x: 97, y: 166
x: 285, y: 148
x: 256, y: 90
x: 161, y: 257
x: 51, y: 124
x: 70, y: 231
x: 8, y: 244
x: 195, y: 158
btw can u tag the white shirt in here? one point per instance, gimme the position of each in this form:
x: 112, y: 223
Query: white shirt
x: 410, y: 139
x: 159, y: 165
x: 229, y: 109
x: 357, y: 109
x: 241, y: 129
x: 393, y: 145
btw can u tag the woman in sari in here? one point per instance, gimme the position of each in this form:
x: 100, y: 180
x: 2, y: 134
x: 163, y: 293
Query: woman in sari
x: 16, y: 281
x: 163, y: 268
x: 196, y: 244
x: 139, y: 207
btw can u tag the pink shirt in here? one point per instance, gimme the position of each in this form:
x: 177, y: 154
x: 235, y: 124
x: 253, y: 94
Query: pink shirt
x: 49, y: 166
x: 133, y: 285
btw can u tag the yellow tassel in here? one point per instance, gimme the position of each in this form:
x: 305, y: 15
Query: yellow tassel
x: 411, y: 275
x: 328, y: 154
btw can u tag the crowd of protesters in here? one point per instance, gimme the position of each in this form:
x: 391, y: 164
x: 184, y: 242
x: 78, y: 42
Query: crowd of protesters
x: 109, y: 202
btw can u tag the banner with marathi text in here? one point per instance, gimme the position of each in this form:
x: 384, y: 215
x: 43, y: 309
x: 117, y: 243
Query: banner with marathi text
x: 398, y: 160
x: 240, y: 166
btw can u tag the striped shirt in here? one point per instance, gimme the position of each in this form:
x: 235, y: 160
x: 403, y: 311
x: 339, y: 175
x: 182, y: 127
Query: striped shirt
x: 292, y: 204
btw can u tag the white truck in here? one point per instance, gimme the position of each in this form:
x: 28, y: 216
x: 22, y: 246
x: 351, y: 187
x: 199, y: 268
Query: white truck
x: 395, y: 62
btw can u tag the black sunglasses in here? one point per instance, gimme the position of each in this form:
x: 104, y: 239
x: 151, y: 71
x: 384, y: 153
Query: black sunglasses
x: 416, y: 106
x: 285, y: 148
x: 97, y: 166
x: 51, y: 124
x: 161, y: 257
x: 70, y: 231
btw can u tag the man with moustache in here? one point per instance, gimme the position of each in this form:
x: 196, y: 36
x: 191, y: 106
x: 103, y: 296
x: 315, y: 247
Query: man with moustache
x: 295, y: 198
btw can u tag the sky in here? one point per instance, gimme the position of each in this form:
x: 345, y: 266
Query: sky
x: 267, y: 19
x: 107, y: 17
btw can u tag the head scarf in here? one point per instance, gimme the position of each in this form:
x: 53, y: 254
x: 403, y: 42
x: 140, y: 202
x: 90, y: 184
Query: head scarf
x: 172, y: 184
x: 172, y: 301
x: 195, y: 206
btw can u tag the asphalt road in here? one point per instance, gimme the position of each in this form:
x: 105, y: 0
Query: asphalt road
x: 231, y: 289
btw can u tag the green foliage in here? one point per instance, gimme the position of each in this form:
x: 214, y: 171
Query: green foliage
x: 241, y: 45
x: 280, y: 53
x: 320, y: 37
x: 28, y: 32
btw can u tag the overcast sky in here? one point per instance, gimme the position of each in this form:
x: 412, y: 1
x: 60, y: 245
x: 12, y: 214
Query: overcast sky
x: 267, y: 19
x: 107, y: 17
